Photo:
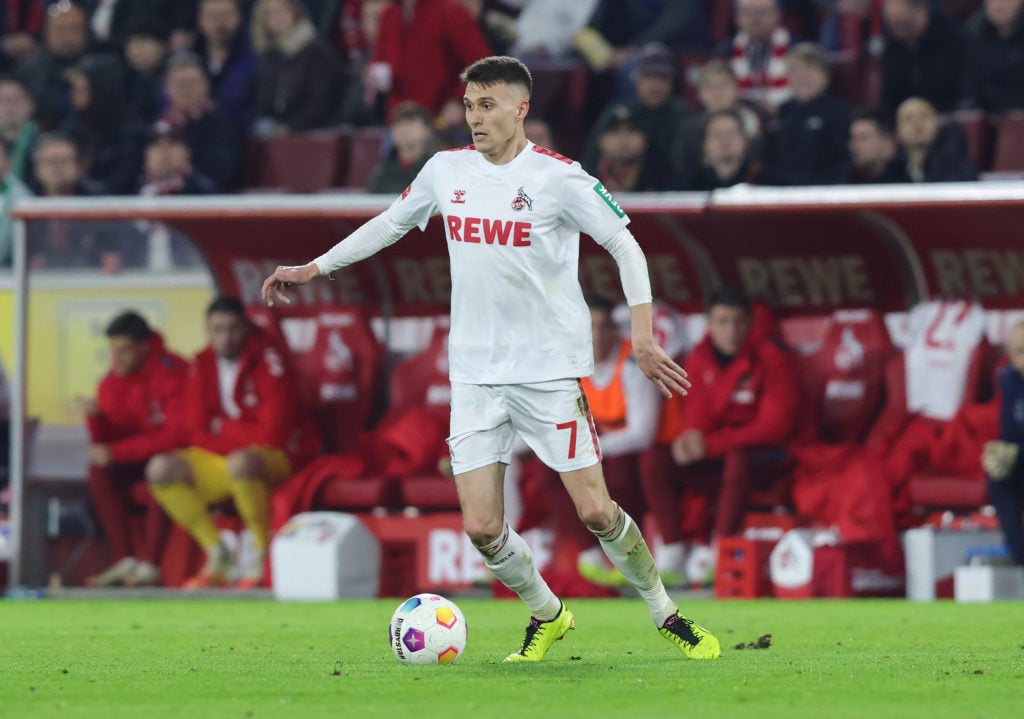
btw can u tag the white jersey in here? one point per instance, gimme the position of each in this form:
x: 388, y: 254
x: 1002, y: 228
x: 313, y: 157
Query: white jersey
x: 943, y: 338
x: 513, y: 233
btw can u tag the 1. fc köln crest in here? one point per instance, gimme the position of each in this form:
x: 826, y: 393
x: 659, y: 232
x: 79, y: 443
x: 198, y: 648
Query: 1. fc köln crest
x: 522, y: 201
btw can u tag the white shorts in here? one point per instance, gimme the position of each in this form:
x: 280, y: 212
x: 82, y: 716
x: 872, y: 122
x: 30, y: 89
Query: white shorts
x: 553, y: 418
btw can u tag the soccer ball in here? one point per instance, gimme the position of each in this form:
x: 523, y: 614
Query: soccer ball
x: 427, y: 629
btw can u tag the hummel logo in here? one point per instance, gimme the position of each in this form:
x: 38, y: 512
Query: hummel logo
x: 457, y: 200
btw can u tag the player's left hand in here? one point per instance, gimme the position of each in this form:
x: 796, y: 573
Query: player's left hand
x: 286, y: 277
x: 659, y: 368
x: 99, y: 455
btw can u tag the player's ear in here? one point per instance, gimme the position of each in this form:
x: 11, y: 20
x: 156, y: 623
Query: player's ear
x: 524, y: 109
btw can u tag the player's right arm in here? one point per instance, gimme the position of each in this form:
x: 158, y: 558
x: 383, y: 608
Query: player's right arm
x: 413, y: 208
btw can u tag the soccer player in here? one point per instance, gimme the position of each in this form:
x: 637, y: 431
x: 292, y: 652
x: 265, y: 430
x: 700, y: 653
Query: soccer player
x: 520, y: 337
x: 245, y: 436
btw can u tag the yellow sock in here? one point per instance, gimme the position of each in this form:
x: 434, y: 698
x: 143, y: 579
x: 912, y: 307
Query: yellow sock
x: 252, y: 500
x: 184, y: 505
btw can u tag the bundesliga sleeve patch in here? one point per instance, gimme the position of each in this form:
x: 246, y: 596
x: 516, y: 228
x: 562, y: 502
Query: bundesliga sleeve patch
x: 608, y: 199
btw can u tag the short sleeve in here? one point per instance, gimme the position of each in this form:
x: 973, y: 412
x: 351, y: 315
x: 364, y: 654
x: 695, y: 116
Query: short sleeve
x: 589, y: 207
x: 417, y: 203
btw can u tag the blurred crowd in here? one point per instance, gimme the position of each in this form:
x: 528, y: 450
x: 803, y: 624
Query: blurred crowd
x: 166, y: 97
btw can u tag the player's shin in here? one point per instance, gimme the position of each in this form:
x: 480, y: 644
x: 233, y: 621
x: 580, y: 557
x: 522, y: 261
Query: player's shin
x: 184, y: 505
x: 510, y: 560
x: 627, y: 550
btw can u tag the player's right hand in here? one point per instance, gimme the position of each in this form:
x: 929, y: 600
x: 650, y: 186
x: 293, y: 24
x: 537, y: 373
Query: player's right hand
x: 286, y: 277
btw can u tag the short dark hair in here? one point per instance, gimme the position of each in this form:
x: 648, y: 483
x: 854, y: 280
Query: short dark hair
x: 56, y: 138
x: 729, y: 112
x: 409, y: 110
x: 129, y: 324
x: 879, y: 118
x: 728, y: 296
x: 227, y: 305
x: 499, y: 68
x: 600, y: 302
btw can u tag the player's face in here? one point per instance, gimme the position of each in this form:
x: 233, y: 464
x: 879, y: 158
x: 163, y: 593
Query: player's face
x: 1015, y: 347
x: 728, y: 327
x: 126, y: 354
x: 606, y: 336
x: 495, y: 115
x: 226, y: 332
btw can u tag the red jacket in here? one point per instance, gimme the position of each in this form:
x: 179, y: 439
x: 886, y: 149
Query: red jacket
x: 428, y: 51
x: 751, y: 402
x: 268, y: 399
x: 141, y: 414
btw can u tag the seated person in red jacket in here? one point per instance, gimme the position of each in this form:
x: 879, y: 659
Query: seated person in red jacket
x: 245, y: 436
x: 744, y: 401
x: 137, y: 414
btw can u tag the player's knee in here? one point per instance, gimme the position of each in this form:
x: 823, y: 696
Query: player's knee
x: 482, y: 531
x: 245, y: 464
x: 597, y: 517
x: 164, y: 469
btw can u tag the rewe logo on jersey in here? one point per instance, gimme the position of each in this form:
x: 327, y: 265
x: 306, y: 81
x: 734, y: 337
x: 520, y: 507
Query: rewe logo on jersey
x: 457, y: 199
x: 609, y: 200
x: 475, y: 230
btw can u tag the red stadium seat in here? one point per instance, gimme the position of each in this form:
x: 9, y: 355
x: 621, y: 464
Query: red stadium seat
x: 363, y: 155
x: 978, y: 131
x: 844, y: 377
x: 341, y: 375
x: 1009, y: 152
x: 559, y: 92
x: 309, y: 162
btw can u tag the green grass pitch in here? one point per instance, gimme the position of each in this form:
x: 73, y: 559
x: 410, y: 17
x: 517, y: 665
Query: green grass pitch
x: 194, y: 659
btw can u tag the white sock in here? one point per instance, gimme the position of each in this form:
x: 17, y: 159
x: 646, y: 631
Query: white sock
x: 510, y: 560
x: 627, y: 550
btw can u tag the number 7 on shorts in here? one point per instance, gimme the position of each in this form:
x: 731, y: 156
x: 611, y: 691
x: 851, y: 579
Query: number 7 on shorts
x: 571, y: 426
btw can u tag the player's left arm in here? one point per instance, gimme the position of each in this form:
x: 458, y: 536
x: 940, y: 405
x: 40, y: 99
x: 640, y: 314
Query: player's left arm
x: 652, y: 360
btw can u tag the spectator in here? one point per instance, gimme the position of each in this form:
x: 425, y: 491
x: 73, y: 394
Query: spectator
x: 758, y: 53
x: 245, y: 435
x: 107, y: 132
x: 145, y: 52
x: 168, y: 168
x: 1002, y: 458
x: 727, y: 158
x: 619, y: 29
x: 224, y: 50
x: 545, y: 29
x: 137, y: 413
x: 422, y: 47
x: 743, y: 405
x: 853, y: 26
x: 360, y: 26
x: 111, y: 21
x: 873, y: 150
x: 413, y: 137
x: 21, y: 23
x: 66, y: 38
x: 497, y: 27
x: 717, y: 90
x: 68, y: 244
x: 923, y: 55
x: 298, y: 77
x: 930, y: 152
x: 625, y: 161
x: 11, y: 190
x: 17, y: 127
x: 214, y: 141
x: 806, y: 143
x: 538, y: 131
x: 657, y: 112
x: 994, y: 57
x: 625, y: 408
